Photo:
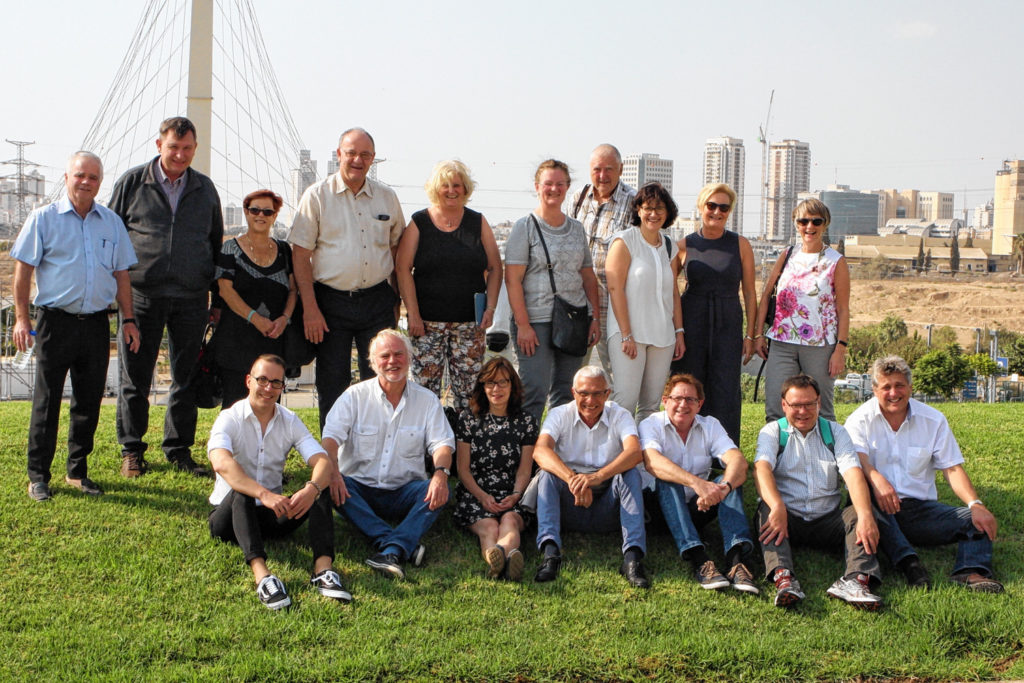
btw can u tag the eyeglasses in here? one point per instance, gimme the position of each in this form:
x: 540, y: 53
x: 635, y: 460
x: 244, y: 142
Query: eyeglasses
x: 352, y: 154
x: 499, y: 383
x: 257, y: 211
x: 654, y: 209
x: 264, y: 381
x: 816, y: 222
x: 590, y: 394
x: 689, y: 400
x: 801, y: 406
x: 712, y: 207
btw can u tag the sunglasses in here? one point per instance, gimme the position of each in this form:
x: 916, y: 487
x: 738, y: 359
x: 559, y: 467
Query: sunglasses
x: 817, y: 222
x: 257, y: 211
x: 712, y: 207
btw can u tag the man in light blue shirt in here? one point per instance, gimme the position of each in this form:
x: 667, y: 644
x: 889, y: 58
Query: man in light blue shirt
x: 80, y: 253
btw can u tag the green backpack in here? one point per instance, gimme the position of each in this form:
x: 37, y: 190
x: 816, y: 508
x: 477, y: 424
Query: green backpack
x: 823, y: 425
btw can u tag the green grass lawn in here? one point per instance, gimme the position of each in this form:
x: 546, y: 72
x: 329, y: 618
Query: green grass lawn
x: 130, y: 586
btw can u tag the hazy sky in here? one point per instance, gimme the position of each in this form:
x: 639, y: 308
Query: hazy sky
x: 923, y: 95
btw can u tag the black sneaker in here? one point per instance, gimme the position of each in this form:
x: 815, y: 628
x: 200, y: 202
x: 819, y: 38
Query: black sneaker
x: 710, y: 578
x: 272, y: 594
x: 329, y: 584
x: 387, y: 564
x: 185, y: 463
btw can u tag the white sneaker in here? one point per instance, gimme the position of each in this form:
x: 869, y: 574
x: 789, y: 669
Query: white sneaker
x: 272, y: 594
x: 855, y: 592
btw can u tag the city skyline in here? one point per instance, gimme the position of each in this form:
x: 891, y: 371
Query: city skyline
x: 447, y: 86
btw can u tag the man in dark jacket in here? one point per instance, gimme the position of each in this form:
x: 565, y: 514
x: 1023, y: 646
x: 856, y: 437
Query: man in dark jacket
x: 173, y: 216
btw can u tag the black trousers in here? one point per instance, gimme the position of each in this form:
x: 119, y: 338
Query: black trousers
x: 81, y: 345
x: 185, y: 320
x: 357, y: 316
x: 239, y: 520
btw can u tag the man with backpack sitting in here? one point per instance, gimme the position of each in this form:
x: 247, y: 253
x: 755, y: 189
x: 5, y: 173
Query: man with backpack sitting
x: 797, y: 467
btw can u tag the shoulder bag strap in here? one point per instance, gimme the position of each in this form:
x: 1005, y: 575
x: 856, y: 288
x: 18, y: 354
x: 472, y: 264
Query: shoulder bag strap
x: 579, y: 201
x: 547, y: 256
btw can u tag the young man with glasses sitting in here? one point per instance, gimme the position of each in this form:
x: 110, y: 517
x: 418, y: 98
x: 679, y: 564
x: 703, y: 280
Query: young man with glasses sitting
x: 680, y: 447
x: 247, y: 448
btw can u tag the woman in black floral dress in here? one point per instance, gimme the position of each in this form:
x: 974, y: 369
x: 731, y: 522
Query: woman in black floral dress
x: 495, y: 441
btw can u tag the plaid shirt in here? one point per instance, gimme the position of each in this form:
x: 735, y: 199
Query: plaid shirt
x: 600, y: 222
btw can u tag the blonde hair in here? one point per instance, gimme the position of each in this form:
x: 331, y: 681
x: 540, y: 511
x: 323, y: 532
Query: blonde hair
x: 445, y: 172
x: 712, y: 189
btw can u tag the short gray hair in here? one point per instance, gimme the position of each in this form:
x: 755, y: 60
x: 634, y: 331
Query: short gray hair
x: 84, y: 154
x: 606, y: 149
x: 357, y: 129
x: 591, y: 372
x: 386, y: 333
x: 889, y: 365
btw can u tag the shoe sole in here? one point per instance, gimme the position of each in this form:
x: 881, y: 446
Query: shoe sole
x: 987, y: 587
x: 787, y: 600
x: 717, y: 585
x: 417, y: 556
x: 866, y: 605
x: 335, y: 594
x: 279, y: 605
x: 39, y: 498
x: 386, y: 569
x: 495, y: 562
x: 516, y: 564
x: 747, y: 588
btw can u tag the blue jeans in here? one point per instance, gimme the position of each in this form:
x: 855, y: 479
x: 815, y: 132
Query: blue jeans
x: 685, y: 520
x: 367, y: 504
x: 547, y: 374
x: 619, y: 506
x: 929, y: 522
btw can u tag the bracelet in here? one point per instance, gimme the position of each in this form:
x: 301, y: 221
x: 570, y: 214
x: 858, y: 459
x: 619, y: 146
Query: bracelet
x: 517, y: 493
x: 680, y: 330
x: 129, y: 320
x: 976, y: 501
x: 627, y: 338
x: 248, y: 318
x: 316, y: 486
x: 842, y: 343
x: 729, y: 484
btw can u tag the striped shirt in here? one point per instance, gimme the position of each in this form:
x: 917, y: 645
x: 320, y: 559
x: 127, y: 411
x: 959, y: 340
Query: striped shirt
x: 807, y: 472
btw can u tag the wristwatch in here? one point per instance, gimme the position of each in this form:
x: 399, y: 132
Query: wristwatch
x: 447, y: 472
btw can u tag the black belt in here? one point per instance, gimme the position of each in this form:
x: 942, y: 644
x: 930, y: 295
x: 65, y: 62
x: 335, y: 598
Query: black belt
x: 77, y: 316
x: 357, y: 292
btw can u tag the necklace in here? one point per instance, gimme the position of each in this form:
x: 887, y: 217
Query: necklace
x: 449, y: 223
x: 256, y: 255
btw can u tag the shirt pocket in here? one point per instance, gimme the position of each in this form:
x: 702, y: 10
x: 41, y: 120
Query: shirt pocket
x: 366, y: 444
x: 918, y: 460
x: 409, y: 442
x: 830, y: 474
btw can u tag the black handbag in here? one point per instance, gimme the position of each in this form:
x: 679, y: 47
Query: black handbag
x: 298, y: 351
x: 204, y: 380
x: 570, y: 325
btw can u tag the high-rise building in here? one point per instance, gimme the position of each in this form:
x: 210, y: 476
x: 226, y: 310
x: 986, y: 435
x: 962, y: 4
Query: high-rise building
x: 789, y: 173
x: 640, y: 169
x: 983, y: 216
x: 935, y: 206
x: 332, y: 165
x: 725, y: 162
x: 303, y: 176
x: 853, y: 212
x: 1008, y: 205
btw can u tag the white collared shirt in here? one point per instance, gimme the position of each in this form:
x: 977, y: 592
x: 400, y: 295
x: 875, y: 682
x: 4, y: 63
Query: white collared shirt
x: 385, y: 446
x: 260, y: 455
x: 909, y: 456
x: 588, y: 449
x: 807, y: 472
x: 706, y: 442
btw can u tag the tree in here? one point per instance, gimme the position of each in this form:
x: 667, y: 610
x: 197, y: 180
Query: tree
x: 983, y: 365
x: 1017, y: 252
x: 943, y: 336
x: 919, y: 264
x: 841, y: 247
x: 928, y: 260
x: 969, y: 242
x: 1015, y: 355
x: 891, y: 328
x: 954, y: 255
x: 942, y: 371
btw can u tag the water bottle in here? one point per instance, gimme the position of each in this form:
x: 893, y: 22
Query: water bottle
x: 21, y: 358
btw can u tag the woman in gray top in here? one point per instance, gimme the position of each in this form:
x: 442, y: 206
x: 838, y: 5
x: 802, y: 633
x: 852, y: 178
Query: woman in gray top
x: 547, y: 372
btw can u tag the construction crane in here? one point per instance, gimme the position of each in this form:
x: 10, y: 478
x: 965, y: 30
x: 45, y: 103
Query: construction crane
x: 763, y: 139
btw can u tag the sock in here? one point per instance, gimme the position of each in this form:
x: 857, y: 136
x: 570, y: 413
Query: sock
x: 696, y: 556
x: 632, y: 554
x: 905, y: 563
x: 735, y: 555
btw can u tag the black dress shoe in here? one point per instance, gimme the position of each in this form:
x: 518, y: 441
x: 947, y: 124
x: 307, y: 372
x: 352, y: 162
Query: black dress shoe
x: 38, y: 490
x: 634, y: 572
x: 548, y: 569
x: 185, y: 463
x: 85, y: 485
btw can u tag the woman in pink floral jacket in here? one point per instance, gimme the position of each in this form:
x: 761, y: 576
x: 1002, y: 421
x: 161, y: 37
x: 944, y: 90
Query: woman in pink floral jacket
x: 812, y: 312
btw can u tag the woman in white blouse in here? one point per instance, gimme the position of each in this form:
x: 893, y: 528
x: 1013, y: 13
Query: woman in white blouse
x: 645, y: 330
